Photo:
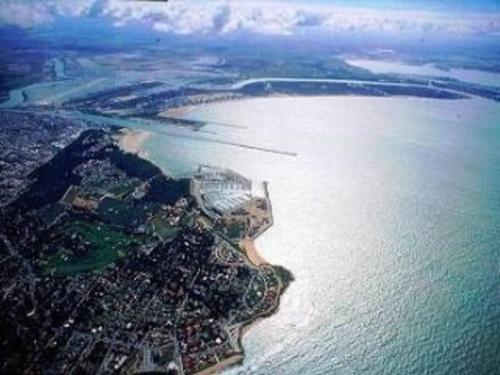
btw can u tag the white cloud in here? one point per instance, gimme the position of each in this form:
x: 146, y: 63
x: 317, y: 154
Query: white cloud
x: 259, y: 17
x: 24, y: 15
x: 30, y: 13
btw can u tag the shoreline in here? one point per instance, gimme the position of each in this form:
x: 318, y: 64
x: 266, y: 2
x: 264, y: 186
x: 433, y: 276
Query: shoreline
x: 217, y: 368
x: 132, y: 141
x: 248, y: 244
x: 183, y: 112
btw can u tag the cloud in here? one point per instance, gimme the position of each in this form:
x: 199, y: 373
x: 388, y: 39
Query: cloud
x: 20, y: 14
x: 282, y: 18
x: 268, y: 17
x: 31, y: 13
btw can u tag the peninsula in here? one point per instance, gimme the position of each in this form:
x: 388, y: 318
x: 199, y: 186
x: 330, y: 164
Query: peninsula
x: 112, y: 266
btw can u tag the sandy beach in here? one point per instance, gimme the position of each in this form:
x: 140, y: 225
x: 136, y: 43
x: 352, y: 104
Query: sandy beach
x: 178, y: 111
x: 222, y: 365
x: 252, y: 254
x: 133, y: 140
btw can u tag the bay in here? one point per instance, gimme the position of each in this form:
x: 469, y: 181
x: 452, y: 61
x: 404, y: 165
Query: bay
x: 388, y: 217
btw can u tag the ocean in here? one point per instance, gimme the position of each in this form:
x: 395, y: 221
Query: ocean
x: 388, y: 217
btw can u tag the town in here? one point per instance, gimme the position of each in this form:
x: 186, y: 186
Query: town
x: 27, y: 140
x: 111, y: 266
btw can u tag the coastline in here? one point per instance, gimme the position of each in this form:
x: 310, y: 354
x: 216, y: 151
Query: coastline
x: 217, y: 368
x: 248, y: 244
x: 132, y: 141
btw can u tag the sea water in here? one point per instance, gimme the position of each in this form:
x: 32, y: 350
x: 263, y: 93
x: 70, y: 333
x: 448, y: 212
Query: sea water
x: 389, y: 219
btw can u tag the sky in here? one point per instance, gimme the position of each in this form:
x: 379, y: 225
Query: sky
x: 431, y: 5
x: 268, y: 17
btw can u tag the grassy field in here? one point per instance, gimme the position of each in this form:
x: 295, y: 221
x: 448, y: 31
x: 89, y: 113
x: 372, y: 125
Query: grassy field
x: 234, y: 230
x: 125, y: 187
x: 164, y: 229
x: 125, y: 213
x: 104, y: 245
